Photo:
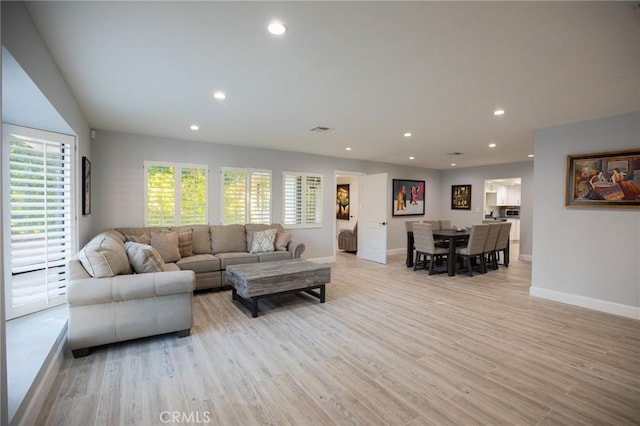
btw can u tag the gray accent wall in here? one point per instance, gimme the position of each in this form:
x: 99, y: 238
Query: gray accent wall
x: 118, y: 182
x: 585, y: 256
x: 475, y: 176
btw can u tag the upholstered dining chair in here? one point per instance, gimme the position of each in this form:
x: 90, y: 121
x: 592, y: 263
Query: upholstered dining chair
x: 348, y: 239
x: 474, y: 248
x: 445, y: 224
x: 502, y: 245
x: 490, y: 243
x: 425, y: 247
x: 435, y: 224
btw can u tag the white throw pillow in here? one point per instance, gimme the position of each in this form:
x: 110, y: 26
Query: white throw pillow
x: 263, y: 241
x: 144, y: 258
x: 104, y: 256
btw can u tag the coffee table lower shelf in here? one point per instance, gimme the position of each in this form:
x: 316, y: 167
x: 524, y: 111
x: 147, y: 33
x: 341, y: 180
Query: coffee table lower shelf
x: 251, y: 303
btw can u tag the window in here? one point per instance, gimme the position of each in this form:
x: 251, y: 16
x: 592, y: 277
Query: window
x: 40, y: 206
x: 246, y: 196
x: 302, y: 198
x: 175, y: 194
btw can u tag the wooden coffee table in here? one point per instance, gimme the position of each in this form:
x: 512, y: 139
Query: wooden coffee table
x: 254, y: 281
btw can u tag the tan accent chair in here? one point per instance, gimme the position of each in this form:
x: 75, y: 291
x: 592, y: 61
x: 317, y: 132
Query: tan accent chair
x: 475, y: 247
x: 425, y: 247
x: 348, y: 239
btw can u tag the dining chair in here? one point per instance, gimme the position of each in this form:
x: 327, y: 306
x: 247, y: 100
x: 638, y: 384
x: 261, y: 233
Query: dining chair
x: 445, y: 224
x: 502, y: 245
x: 474, y: 248
x: 435, y: 224
x: 490, y: 244
x: 425, y: 247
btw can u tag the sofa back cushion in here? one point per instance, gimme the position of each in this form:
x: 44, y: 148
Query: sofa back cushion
x: 166, y: 242
x: 200, y: 238
x: 255, y: 227
x: 105, y: 256
x: 228, y: 238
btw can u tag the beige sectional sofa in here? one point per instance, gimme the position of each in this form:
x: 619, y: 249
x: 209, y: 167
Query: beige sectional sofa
x: 128, y: 283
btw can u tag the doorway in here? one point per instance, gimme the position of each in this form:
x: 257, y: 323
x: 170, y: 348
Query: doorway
x: 347, y: 184
x: 502, y: 199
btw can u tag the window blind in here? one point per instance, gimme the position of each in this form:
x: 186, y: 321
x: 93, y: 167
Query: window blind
x: 302, y: 199
x: 246, y: 196
x: 41, y: 217
x: 175, y: 194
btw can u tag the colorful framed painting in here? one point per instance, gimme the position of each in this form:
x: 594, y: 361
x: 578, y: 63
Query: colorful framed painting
x: 342, y: 202
x: 460, y: 197
x: 604, y: 179
x: 407, y: 197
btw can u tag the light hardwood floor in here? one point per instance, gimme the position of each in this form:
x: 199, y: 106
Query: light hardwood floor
x: 390, y: 346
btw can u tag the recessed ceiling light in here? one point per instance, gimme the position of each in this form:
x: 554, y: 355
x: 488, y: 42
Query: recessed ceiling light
x: 219, y: 95
x: 412, y: 158
x: 194, y: 127
x: 276, y: 28
x: 453, y: 164
x: 348, y: 148
x: 407, y: 135
x: 530, y: 155
x: 498, y: 112
x: 492, y: 145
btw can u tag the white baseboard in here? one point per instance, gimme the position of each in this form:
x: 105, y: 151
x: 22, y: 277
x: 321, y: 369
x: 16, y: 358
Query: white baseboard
x: 587, y: 302
x: 328, y: 259
x: 525, y: 258
x: 29, y: 410
x: 391, y: 252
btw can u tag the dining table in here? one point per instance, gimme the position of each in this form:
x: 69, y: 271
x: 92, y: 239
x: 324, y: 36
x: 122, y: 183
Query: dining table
x: 451, y: 236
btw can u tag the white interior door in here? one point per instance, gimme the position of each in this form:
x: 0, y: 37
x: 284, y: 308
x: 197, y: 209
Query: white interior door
x: 372, y: 221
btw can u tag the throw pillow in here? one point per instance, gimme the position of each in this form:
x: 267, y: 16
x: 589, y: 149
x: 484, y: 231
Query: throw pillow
x: 263, y: 241
x: 144, y: 258
x: 166, y: 242
x: 185, y: 242
x: 142, y: 239
x: 282, y: 241
x: 104, y: 256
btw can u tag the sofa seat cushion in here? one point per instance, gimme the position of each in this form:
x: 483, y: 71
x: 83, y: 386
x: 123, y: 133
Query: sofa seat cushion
x: 105, y: 256
x: 171, y: 267
x: 199, y: 263
x: 275, y: 255
x: 236, y: 258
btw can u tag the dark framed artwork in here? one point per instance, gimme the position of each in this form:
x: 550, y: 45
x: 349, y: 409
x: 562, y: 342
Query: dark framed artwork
x: 342, y: 202
x: 604, y: 179
x: 460, y: 197
x: 86, y: 186
x: 407, y: 197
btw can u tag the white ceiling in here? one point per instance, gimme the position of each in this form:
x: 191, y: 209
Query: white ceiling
x: 369, y: 70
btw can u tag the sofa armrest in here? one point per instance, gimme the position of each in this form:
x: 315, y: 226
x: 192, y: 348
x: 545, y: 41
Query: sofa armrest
x: 296, y: 248
x: 90, y: 291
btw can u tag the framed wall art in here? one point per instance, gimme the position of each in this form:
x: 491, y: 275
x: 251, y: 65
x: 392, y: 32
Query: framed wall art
x: 460, y: 197
x: 407, y: 197
x: 604, y: 179
x: 86, y: 186
x: 342, y: 202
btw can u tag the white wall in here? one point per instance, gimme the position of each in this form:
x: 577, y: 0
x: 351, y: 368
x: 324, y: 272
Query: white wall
x: 475, y: 176
x: 587, y: 257
x: 118, y: 181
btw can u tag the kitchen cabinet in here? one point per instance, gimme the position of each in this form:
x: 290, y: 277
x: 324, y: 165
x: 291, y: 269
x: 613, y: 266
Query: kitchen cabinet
x: 491, y: 199
x: 508, y: 195
x: 514, y: 235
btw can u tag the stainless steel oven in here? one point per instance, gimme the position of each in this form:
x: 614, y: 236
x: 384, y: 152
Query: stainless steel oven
x: 512, y: 212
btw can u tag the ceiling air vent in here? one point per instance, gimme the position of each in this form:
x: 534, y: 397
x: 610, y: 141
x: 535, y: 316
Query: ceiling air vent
x: 454, y: 153
x: 321, y: 129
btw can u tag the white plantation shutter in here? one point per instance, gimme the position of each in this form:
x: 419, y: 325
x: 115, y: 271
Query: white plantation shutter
x: 246, y: 196
x: 302, y: 200
x: 175, y: 194
x: 42, y: 217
